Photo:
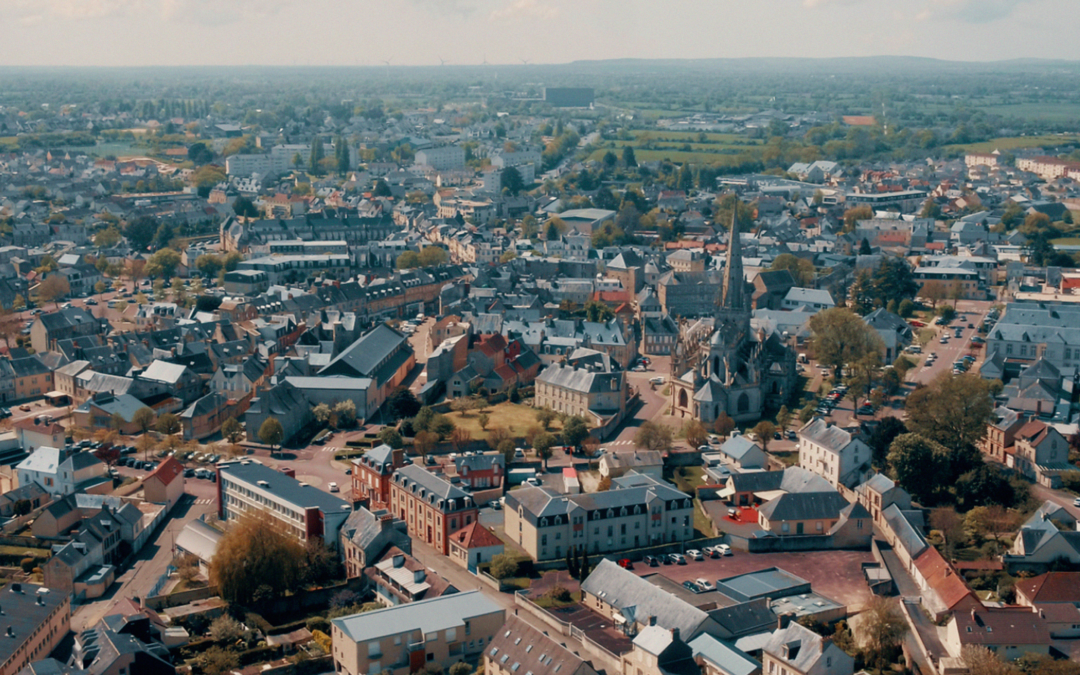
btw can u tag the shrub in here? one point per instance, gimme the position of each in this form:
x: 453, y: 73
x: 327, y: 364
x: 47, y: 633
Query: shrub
x: 558, y: 594
x: 317, y: 623
x: 27, y: 565
x: 503, y: 567
x: 225, y: 629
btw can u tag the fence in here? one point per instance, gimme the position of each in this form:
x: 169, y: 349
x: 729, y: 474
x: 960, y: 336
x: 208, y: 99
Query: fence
x: 161, y: 602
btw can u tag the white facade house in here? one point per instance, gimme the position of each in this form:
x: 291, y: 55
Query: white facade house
x: 836, y: 455
x: 60, y: 473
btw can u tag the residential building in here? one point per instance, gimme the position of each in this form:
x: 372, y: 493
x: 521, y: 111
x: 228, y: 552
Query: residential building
x: 34, y: 621
x: 1001, y: 433
x: 743, y: 453
x: 481, y: 471
x: 808, y: 299
x: 1030, y: 331
x: 474, y: 544
x: 366, y: 535
x: 383, y: 354
x: 518, y: 646
x: 62, y: 472
x: 406, y: 638
x: 659, y: 650
x: 1009, y: 632
x: 838, y: 456
x: 49, y: 328
x: 592, y: 388
x: 371, y: 475
x: 37, y: 432
x: 879, y: 493
x: 818, y: 514
x: 165, y: 484
x: 719, y: 657
x: 796, y: 650
x: 432, y: 507
x: 98, y: 412
x: 546, y: 524
x: 1040, y: 453
x: 895, y: 333
x: 303, y: 512
x: 445, y: 158
x: 32, y: 376
x: 398, y: 578
x: 1056, y: 597
x: 616, y: 462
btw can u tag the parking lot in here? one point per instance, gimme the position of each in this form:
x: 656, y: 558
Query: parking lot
x: 835, y: 574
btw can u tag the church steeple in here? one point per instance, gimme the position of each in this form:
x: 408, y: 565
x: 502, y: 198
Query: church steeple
x: 733, y: 293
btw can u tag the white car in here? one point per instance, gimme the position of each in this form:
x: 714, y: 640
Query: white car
x: 703, y: 584
x: 695, y: 554
x: 1076, y: 502
x: 333, y: 487
x: 723, y: 549
x: 656, y: 380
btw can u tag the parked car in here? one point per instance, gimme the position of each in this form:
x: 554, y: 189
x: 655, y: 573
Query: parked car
x: 189, y: 473
x: 626, y: 564
x: 703, y: 584
x: 496, y: 505
x: 724, y: 549
x: 691, y: 586
x: 652, y: 561
x: 677, y: 558
x: 695, y: 554
x: 656, y: 380
x: 334, y: 487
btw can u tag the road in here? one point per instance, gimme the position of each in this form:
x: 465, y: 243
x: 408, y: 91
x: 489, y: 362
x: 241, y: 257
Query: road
x: 652, y: 405
x: 150, y: 563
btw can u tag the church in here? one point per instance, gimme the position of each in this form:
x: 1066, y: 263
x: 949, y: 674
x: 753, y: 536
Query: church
x: 729, y: 366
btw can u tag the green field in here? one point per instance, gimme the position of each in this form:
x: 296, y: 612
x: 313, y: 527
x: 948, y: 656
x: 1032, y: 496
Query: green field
x: 1052, y: 112
x: 1014, y: 142
x: 1066, y: 241
x: 660, y: 144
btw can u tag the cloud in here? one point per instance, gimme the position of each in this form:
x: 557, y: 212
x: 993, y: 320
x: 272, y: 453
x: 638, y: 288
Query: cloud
x: 460, y: 8
x: 524, y: 9
x: 212, y: 12
x: 813, y: 4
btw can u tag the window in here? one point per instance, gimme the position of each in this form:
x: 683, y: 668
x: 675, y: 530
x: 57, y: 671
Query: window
x: 374, y: 649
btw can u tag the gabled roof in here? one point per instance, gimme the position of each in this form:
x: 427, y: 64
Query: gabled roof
x: 1051, y: 587
x: 167, y: 471
x: 475, y: 535
x: 629, y: 593
x: 426, y: 616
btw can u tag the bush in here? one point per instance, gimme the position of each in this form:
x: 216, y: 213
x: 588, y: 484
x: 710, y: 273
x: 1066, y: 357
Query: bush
x: 317, y: 623
x: 503, y: 567
x: 460, y: 668
x: 216, y: 661
x: 27, y: 565
x: 558, y: 594
x: 225, y: 629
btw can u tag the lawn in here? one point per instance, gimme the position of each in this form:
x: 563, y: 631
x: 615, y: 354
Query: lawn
x: 688, y: 478
x: 1066, y: 241
x: 1008, y: 143
x: 514, y: 417
x: 22, y: 551
x: 547, y: 602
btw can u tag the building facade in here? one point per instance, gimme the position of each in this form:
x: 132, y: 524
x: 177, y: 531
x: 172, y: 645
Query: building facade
x: 432, y: 508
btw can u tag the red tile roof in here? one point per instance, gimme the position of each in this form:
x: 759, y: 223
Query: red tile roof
x: 475, y: 536
x: 940, y: 575
x: 1002, y: 626
x: 167, y: 471
x: 1051, y: 587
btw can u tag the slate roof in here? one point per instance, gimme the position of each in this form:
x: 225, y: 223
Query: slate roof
x: 826, y: 435
x: 630, y: 594
x: 727, y: 657
x: 414, y: 478
x: 527, y: 650
x: 736, y: 447
x: 426, y: 616
x: 805, y: 506
x: 809, y: 646
x: 363, y: 357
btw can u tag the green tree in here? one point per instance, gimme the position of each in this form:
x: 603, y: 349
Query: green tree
x: 317, y: 155
x: 431, y: 256
x: 920, y: 466
x: 654, y: 436
x: 231, y: 430
x: 783, y: 417
x: 864, y: 247
x: 108, y: 237
x: 162, y: 263
x: 542, y: 444
x: 504, y: 566
x: 723, y: 425
x: 511, y: 180
x: 802, y: 270
x: 346, y: 412
x: 167, y: 424
x: 144, y: 419
x: 408, y: 260
x: 840, y: 337
x: 882, y: 437
x: 232, y: 260
x: 271, y: 432
x: 322, y: 413
x: 764, y: 430
x: 209, y: 264
x: 140, y: 232
x: 391, y: 437
x: 952, y: 410
x: 695, y: 433
x: 545, y: 416
x: 598, y: 312
x: 575, y: 430
x: 628, y: 158
x: 853, y: 216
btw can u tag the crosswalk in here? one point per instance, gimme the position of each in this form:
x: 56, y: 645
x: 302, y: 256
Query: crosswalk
x: 204, y: 502
x: 328, y: 449
x: 628, y: 441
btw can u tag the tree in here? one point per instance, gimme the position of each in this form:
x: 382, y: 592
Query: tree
x: 108, y: 237
x: 162, y: 263
x: 209, y: 264
x: 381, y: 189
x: 482, y: 419
x: 245, y: 208
x: 864, y: 247
x: 951, y: 526
x: 542, y: 444
x: 167, y: 424
x: 906, y: 308
x: 408, y: 260
x: 628, y: 158
x: 722, y: 212
x: 346, y: 412
x: 140, y: 232
x: 225, y: 629
x: 143, y: 418
x: 53, y: 289
x: 853, y: 216
x: 316, y: 156
x: 271, y: 432
x: 460, y: 439
x: 882, y: 630
x: 392, y: 437
x: 723, y: 425
x: 841, y: 337
x: 572, y: 561
x: 783, y: 417
x: 199, y: 154
x: 575, y: 430
x: 920, y: 466
x: 507, y: 256
x: 431, y: 256
x: 232, y: 260
x: 507, y: 449
x: 952, y: 410
x: 584, y: 567
x: 654, y: 436
x: 984, y: 485
x: 882, y: 437
x: 460, y: 668
x: 545, y: 416
x: 511, y: 180
x: 253, y: 553
x: 982, y: 661
x: 503, y: 566
x: 465, y: 404
x: 218, y: 661
x: 696, y: 434
x: 424, y: 441
x: 764, y: 430
x: 231, y: 430
x: 321, y: 413
x: 598, y: 312
x: 402, y: 403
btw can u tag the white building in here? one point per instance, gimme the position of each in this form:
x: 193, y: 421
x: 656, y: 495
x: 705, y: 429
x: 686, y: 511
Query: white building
x: 60, y: 473
x: 836, y: 455
x: 446, y: 158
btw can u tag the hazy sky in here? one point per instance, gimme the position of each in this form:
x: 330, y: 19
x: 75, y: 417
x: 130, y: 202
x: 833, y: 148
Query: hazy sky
x: 416, y: 32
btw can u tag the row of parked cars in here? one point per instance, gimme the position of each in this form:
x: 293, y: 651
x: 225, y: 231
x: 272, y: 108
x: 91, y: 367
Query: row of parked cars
x: 831, y: 400
x: 718, y: 551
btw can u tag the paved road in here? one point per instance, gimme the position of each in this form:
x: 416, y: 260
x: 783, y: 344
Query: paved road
x: 653, y: 402
x: 149, y: 565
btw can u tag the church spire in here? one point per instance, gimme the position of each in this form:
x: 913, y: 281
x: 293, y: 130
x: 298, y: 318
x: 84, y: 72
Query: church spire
x: 734, y: 289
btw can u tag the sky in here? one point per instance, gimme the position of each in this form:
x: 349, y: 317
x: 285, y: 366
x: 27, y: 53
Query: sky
x: 424, y: 32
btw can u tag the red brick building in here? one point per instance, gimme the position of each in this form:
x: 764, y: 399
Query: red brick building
x: 371, y: 476
x: 432, y: 508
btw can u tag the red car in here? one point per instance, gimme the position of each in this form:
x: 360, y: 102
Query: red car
x: 626, y: 564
